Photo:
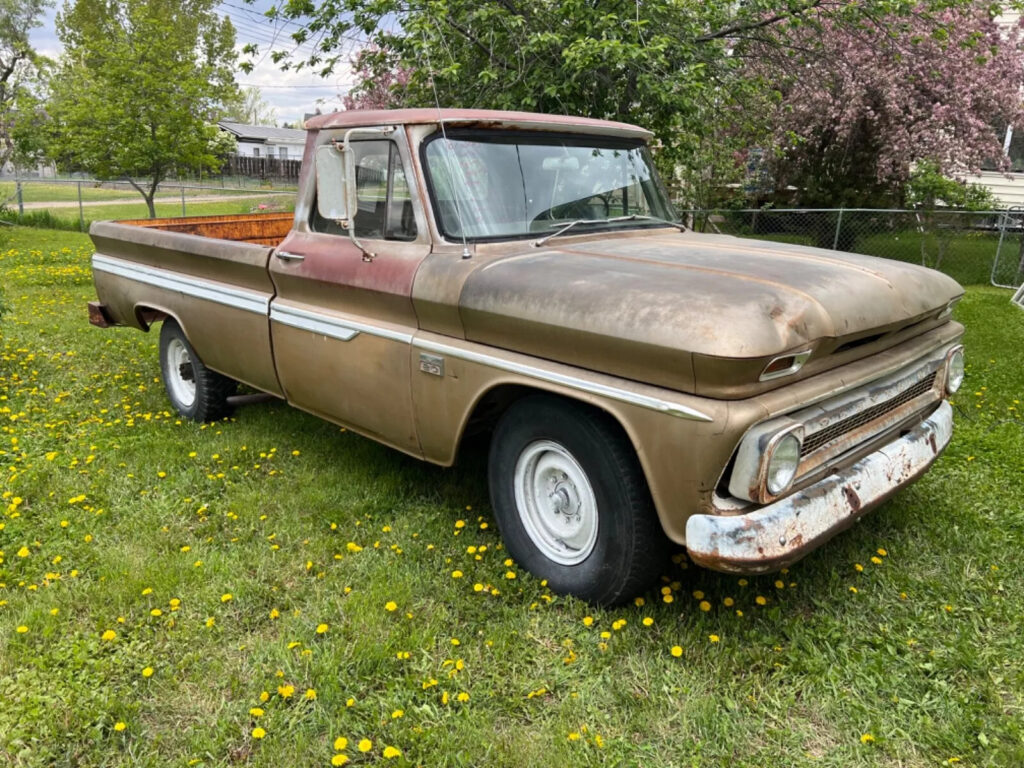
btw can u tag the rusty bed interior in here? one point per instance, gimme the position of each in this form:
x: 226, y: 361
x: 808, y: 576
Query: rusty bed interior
x: 257, y: 228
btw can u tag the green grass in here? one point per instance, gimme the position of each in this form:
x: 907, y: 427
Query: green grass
x: 38, y: 191
x: 68, y: 218
x: 108, y: 496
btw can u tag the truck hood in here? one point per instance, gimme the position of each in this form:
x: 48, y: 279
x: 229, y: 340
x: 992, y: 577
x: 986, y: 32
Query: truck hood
x: 652, y: 307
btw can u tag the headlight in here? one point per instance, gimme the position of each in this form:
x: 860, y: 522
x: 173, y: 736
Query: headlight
x: 782, y: 463
x: 954, y: 369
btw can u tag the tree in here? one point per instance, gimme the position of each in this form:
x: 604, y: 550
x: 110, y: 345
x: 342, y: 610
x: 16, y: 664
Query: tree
x: 141, y: 83
x: 857, y: 106
x: 18, y: 69
x: 669, y: 65
x: 250, y: 108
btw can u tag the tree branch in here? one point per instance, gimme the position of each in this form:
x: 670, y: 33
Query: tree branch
x: 746, y: 26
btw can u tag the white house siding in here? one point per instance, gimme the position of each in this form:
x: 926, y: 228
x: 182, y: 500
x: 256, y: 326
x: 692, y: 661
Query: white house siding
x: 1007, y: 188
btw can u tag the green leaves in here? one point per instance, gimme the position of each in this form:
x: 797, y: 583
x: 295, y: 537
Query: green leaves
x: 139, y: 83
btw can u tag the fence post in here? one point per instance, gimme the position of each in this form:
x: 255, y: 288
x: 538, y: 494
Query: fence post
x: 183, y: 199
x: 81, y: 212
x: 839, y: 225
x: 21, y: 199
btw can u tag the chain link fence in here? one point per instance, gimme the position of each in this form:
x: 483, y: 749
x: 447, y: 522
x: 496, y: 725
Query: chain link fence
x: 74, y: 203
x: 972, y: 247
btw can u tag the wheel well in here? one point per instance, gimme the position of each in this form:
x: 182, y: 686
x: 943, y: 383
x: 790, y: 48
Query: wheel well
x: 148, y: 315
x: 493, y: 404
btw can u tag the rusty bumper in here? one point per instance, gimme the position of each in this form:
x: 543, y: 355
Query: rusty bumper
x: 99, y: 316
x: 781, y: 533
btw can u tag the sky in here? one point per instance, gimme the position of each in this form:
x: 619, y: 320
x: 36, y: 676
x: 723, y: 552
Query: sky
x: 291, y: 94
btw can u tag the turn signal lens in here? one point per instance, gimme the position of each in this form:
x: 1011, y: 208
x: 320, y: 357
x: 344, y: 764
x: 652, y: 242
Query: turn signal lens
x: 954, y: 369
x: 782, y: 464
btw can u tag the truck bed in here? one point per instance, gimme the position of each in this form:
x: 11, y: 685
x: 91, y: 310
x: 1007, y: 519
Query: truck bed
x: 257, y: 228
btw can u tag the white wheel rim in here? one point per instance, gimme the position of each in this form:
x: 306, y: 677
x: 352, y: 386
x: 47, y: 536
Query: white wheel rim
x: 181, y: 379
x: 556, y: 502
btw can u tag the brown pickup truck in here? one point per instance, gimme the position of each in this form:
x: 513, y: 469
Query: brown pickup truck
x: 524, y: 275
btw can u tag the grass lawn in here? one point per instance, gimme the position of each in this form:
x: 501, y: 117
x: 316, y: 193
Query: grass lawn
x: 262, y: 589
x: 38, y: 191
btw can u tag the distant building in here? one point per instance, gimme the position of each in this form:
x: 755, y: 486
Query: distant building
x: 266, y: 140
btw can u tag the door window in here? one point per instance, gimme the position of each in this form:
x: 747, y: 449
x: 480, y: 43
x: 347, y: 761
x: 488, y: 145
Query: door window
x: 383, y: 201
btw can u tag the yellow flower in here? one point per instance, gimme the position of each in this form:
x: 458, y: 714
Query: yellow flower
x: 310, y: 694
x: 210, y: 621
x: 21, y: 630
x: 463, y: 697
x: 285, y: 691
x: 264, y: 696
x: 714, y: 638
x: 866, y: 738
x: 397, y: 714
x: 510, y: 574
x: 258, y: 733
x: 698, y: 595
x: 588, y: 621
x: 667, y: 598
x: 108, y: 635
x: 456, y: 574
x: 147, y: 672
x: 24, y: 552
x: 779, y: 584
x: 339, y: 760
x: 676, y: 651
x: 882, y: 552
x: 256, y: 712
x: 876, y: 560
x: 274, y: 613
x: 760, y: 600
x: 322, y: 629
x: 705, y: 605
x: 574, y: 736
x: 858, y: 567
x: 391, y: 605
x: 365, y: 745
x: 390, y: 752
x: 156, y: 612
x: 227, y: 597
x: 728, y: 602
x: 648, y: 621
x: 340, y: 744
x: 119, y: 726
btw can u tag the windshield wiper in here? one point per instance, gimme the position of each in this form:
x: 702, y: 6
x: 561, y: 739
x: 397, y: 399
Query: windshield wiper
x: 631, y: 217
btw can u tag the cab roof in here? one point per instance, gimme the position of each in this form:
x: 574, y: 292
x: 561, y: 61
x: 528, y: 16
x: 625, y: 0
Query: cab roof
x: 476, y: 118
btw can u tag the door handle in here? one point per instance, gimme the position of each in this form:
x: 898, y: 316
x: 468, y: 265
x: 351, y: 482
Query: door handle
x: 288, y: 256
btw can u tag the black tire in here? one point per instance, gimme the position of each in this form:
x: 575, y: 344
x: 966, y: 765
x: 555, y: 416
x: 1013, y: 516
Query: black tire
x: 628, y: 550
x: 183, y: 372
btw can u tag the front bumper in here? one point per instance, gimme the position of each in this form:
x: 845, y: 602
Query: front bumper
x: 778, y: 534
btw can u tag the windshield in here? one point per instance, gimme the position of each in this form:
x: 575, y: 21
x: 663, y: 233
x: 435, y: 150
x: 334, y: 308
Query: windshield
x: 512, y: 185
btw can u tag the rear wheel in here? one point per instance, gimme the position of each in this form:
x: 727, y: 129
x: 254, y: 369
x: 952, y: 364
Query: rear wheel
x: 571, y: 500
x: 196, y: 392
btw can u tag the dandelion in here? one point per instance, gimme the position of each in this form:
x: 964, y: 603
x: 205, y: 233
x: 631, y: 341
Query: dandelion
x: 285, y: 691
x: 714, y: 638
x: 365, y: 745
x: 779, y: 584
x: 705, y: 605
x: 119, y: 726
x: 21, y: 630
x: 588, y: 621
x: 866, y: 738
x: 391, y: 752
x: 156, y: 613
x: 227, y: 597
x: 339, y: 760
x: 478, y: 587
x: 676, y: 651
x: 391, y: 606
x: 340, y: 744
x: 258, y: 733
x: 456, y: 574
x: 310, y: 694
x: 256, y: 712
x: 761, y: 600
x: 147, y: 672
x: 108, y: 635
x: 858, y: 567
x: 876, y: 560
x: 463, y: 697
x: 510, y: 574
x: 728, y: 602
x: 397, y: 714
x: 574, y: 736
x: 210, y: 621
x: 24, y: 552
x: 274, y: 613
x: 322, y: 629
x: 648, y: 621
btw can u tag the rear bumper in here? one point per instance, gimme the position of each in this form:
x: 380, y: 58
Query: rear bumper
x: 99, y: 316
x: 778, y: 534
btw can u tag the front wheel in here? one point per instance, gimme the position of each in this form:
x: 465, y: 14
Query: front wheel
x: 196, y: 392
x: 571, y: 500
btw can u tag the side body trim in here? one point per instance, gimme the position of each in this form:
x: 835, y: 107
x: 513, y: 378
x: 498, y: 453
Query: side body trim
x: 329, y: 325
x: 565, y: 380
x: 239, y: 298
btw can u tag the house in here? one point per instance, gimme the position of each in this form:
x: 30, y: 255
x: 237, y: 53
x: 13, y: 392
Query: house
x: 266, y: 140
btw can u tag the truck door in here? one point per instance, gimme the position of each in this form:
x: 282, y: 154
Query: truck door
x: 342, y: 321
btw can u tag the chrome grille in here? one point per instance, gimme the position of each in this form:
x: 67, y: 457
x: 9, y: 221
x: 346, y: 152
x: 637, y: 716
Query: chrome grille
x: 840, y: 428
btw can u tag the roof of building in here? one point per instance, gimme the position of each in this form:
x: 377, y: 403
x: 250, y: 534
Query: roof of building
x: 263, y: 133
x: 475, y: 117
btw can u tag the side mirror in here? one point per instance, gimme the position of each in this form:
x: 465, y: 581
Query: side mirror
x: 335, y: 185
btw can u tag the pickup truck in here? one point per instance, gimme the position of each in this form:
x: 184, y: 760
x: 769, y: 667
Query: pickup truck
x: 524, y: 276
